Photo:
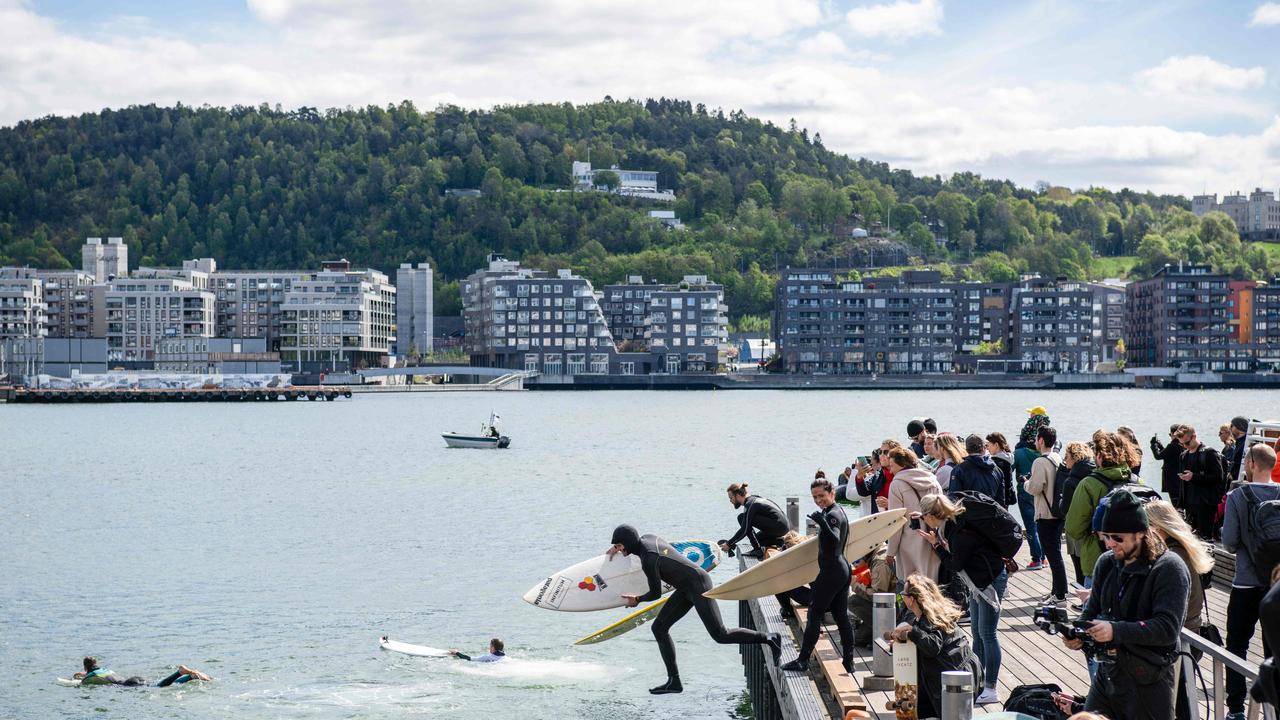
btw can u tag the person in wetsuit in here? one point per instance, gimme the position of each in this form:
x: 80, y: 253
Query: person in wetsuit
x: 95, y: 675
x: 761, y: 522
x: 830, y: 591
x: 494, y: 655
x: 663, y: 563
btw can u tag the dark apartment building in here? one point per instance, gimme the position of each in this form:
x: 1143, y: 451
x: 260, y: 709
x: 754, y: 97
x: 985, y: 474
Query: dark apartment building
x: 1053, y: 323
x: 684, y: 325
x: 1180, y: 317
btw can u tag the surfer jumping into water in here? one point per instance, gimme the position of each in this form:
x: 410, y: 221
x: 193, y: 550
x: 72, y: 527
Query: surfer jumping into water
x: 663, y: 563
x: 494, y: 655
x: 761, y: 522
x: 830, y: 591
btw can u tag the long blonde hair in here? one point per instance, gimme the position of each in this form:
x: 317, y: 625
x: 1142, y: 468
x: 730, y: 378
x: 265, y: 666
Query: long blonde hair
x: 950, y: 449
x: 934, y: 608
x: 940, y: 507
x: 1165, y: 518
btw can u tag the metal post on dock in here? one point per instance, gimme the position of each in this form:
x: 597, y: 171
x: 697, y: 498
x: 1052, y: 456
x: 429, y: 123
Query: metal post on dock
x: 957, y: 695
x: 883, y: 617
x: 793, y: 513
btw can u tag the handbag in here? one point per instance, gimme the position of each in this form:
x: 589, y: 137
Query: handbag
x: 1207, y: 629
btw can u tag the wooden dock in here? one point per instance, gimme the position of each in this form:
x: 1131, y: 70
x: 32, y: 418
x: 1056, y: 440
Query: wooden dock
x: 1030, y: 655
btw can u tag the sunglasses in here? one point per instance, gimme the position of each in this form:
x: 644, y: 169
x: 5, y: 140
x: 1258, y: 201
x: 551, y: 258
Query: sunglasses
x: 1115, y: 538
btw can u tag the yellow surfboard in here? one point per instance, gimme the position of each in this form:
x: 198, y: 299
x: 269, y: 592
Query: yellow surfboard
x: 625, y: 625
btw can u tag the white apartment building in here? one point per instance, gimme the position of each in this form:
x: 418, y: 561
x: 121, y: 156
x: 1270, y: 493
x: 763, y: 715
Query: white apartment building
x: 105, y: 262
x: 415, y: 304
x: 338, y: 319
x: 22, y: 309
x: 141, y: 312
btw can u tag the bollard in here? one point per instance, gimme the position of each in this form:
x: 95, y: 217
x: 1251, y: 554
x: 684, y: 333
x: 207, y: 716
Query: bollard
x: 957, y: 695
x: 793, y: 513
x: 884, y: 617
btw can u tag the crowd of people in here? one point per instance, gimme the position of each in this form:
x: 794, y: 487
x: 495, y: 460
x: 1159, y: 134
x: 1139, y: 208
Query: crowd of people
x: 1139, y: 556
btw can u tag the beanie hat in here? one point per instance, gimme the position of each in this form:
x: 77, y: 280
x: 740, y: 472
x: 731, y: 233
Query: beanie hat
x: 1125, y: 514
x: 914, y: 428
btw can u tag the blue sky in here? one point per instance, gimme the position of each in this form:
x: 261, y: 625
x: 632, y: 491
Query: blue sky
x: 1172, y: 96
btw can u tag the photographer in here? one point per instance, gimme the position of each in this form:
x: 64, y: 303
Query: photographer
x: 1133, y: 616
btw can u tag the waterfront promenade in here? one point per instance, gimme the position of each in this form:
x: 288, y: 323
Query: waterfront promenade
x: 1031, y: 656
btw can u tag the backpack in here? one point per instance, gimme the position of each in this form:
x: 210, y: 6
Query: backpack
x: 1060, y: 503
x: 992, y: 521
x: 1010, y: 489
x: 1263, y: 540
x: 1036, y: 701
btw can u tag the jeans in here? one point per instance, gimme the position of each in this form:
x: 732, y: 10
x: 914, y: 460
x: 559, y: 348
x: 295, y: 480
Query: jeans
x: 982, y: 622
x: 1115, y: 694
x: 1050, y: 532
x: 1242, y: 617
x: 1027, y: 506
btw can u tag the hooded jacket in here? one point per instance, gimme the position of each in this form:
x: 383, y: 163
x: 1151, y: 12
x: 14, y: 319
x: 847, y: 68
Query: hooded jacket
x: 978, y: 474
x: 1084, y: 501
x: 939, y: 651
x: 912, y: 554
x: 662, y: 563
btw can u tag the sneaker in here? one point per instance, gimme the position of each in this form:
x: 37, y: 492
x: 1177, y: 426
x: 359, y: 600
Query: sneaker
x: 1036, y: 565
x: 796, y: 665
x: 988, y: 696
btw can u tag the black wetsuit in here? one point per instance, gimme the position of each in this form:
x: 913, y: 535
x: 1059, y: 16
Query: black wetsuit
x: 830, y: 591
x: 663, y: 563
x: 762, y: 523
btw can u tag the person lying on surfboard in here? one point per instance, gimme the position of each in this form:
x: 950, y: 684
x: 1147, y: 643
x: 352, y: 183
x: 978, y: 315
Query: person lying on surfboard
x: 663, y: 563
x: 95, y: 675
x: 494, y: 655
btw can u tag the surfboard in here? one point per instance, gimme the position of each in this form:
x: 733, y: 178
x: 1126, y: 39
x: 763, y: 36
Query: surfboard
x: 68, y: 682
x: 798, y: 565
x: 625, y: 625
x: 599, y: 583
x: 387, y: 643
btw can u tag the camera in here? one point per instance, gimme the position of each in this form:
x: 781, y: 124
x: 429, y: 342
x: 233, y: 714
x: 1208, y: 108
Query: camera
x: 1055, y: 621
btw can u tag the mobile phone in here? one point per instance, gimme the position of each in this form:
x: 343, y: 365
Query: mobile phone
x: 864, y: 459
x: 915, y: 523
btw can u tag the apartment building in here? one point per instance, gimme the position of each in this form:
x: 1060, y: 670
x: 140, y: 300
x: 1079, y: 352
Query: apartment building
x: 823, y: 324
x: 415, y: 306
x: 522, y: 318
x: 684, y: 326
x: 1179, y: 317
x: 22, y: 308
x: 141, y: 312
x: 1257, y: 216
x: 982, y: 315
x: 250, y: 303
x: 338, y: 319
x: 1053, y: 326
x: 1109, y: 304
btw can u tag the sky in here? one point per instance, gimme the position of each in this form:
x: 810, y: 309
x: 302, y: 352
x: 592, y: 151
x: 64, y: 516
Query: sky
x: 1164, y: 95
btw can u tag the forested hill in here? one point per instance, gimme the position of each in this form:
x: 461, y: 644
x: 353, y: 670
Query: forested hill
x: 267, y: 188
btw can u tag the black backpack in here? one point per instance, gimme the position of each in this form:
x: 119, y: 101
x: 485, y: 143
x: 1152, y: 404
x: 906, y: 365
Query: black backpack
x: 1036, y: 701
x: 991, y: 520
x: 1263, y: 540
x: 1060, y: 479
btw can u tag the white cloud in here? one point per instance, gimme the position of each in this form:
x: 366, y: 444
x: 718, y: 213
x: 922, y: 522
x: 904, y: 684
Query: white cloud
x: 1266, y: 14
x: 1199, y: 75
x: 775, y: 59
x: 897, y: 20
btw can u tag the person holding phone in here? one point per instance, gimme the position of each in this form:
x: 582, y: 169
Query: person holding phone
x: 909, y: 552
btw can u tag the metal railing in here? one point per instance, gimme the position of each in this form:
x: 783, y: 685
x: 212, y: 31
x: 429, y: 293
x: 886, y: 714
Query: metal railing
x: 1222, y: 661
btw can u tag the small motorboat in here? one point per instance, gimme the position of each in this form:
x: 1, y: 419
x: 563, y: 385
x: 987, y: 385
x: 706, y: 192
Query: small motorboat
x: 489, y: 437
x: 457, y: 440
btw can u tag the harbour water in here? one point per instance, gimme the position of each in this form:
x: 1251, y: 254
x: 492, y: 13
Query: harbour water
x: 271, y: 544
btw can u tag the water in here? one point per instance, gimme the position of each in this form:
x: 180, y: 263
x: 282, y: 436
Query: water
x: 271, y: 544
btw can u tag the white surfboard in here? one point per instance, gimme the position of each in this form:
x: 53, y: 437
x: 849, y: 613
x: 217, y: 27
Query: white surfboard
x: 387, y: 643
x: 68, y: 682
x: 625, y: 625
x: 799, y: 564
x: 600, y: 583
